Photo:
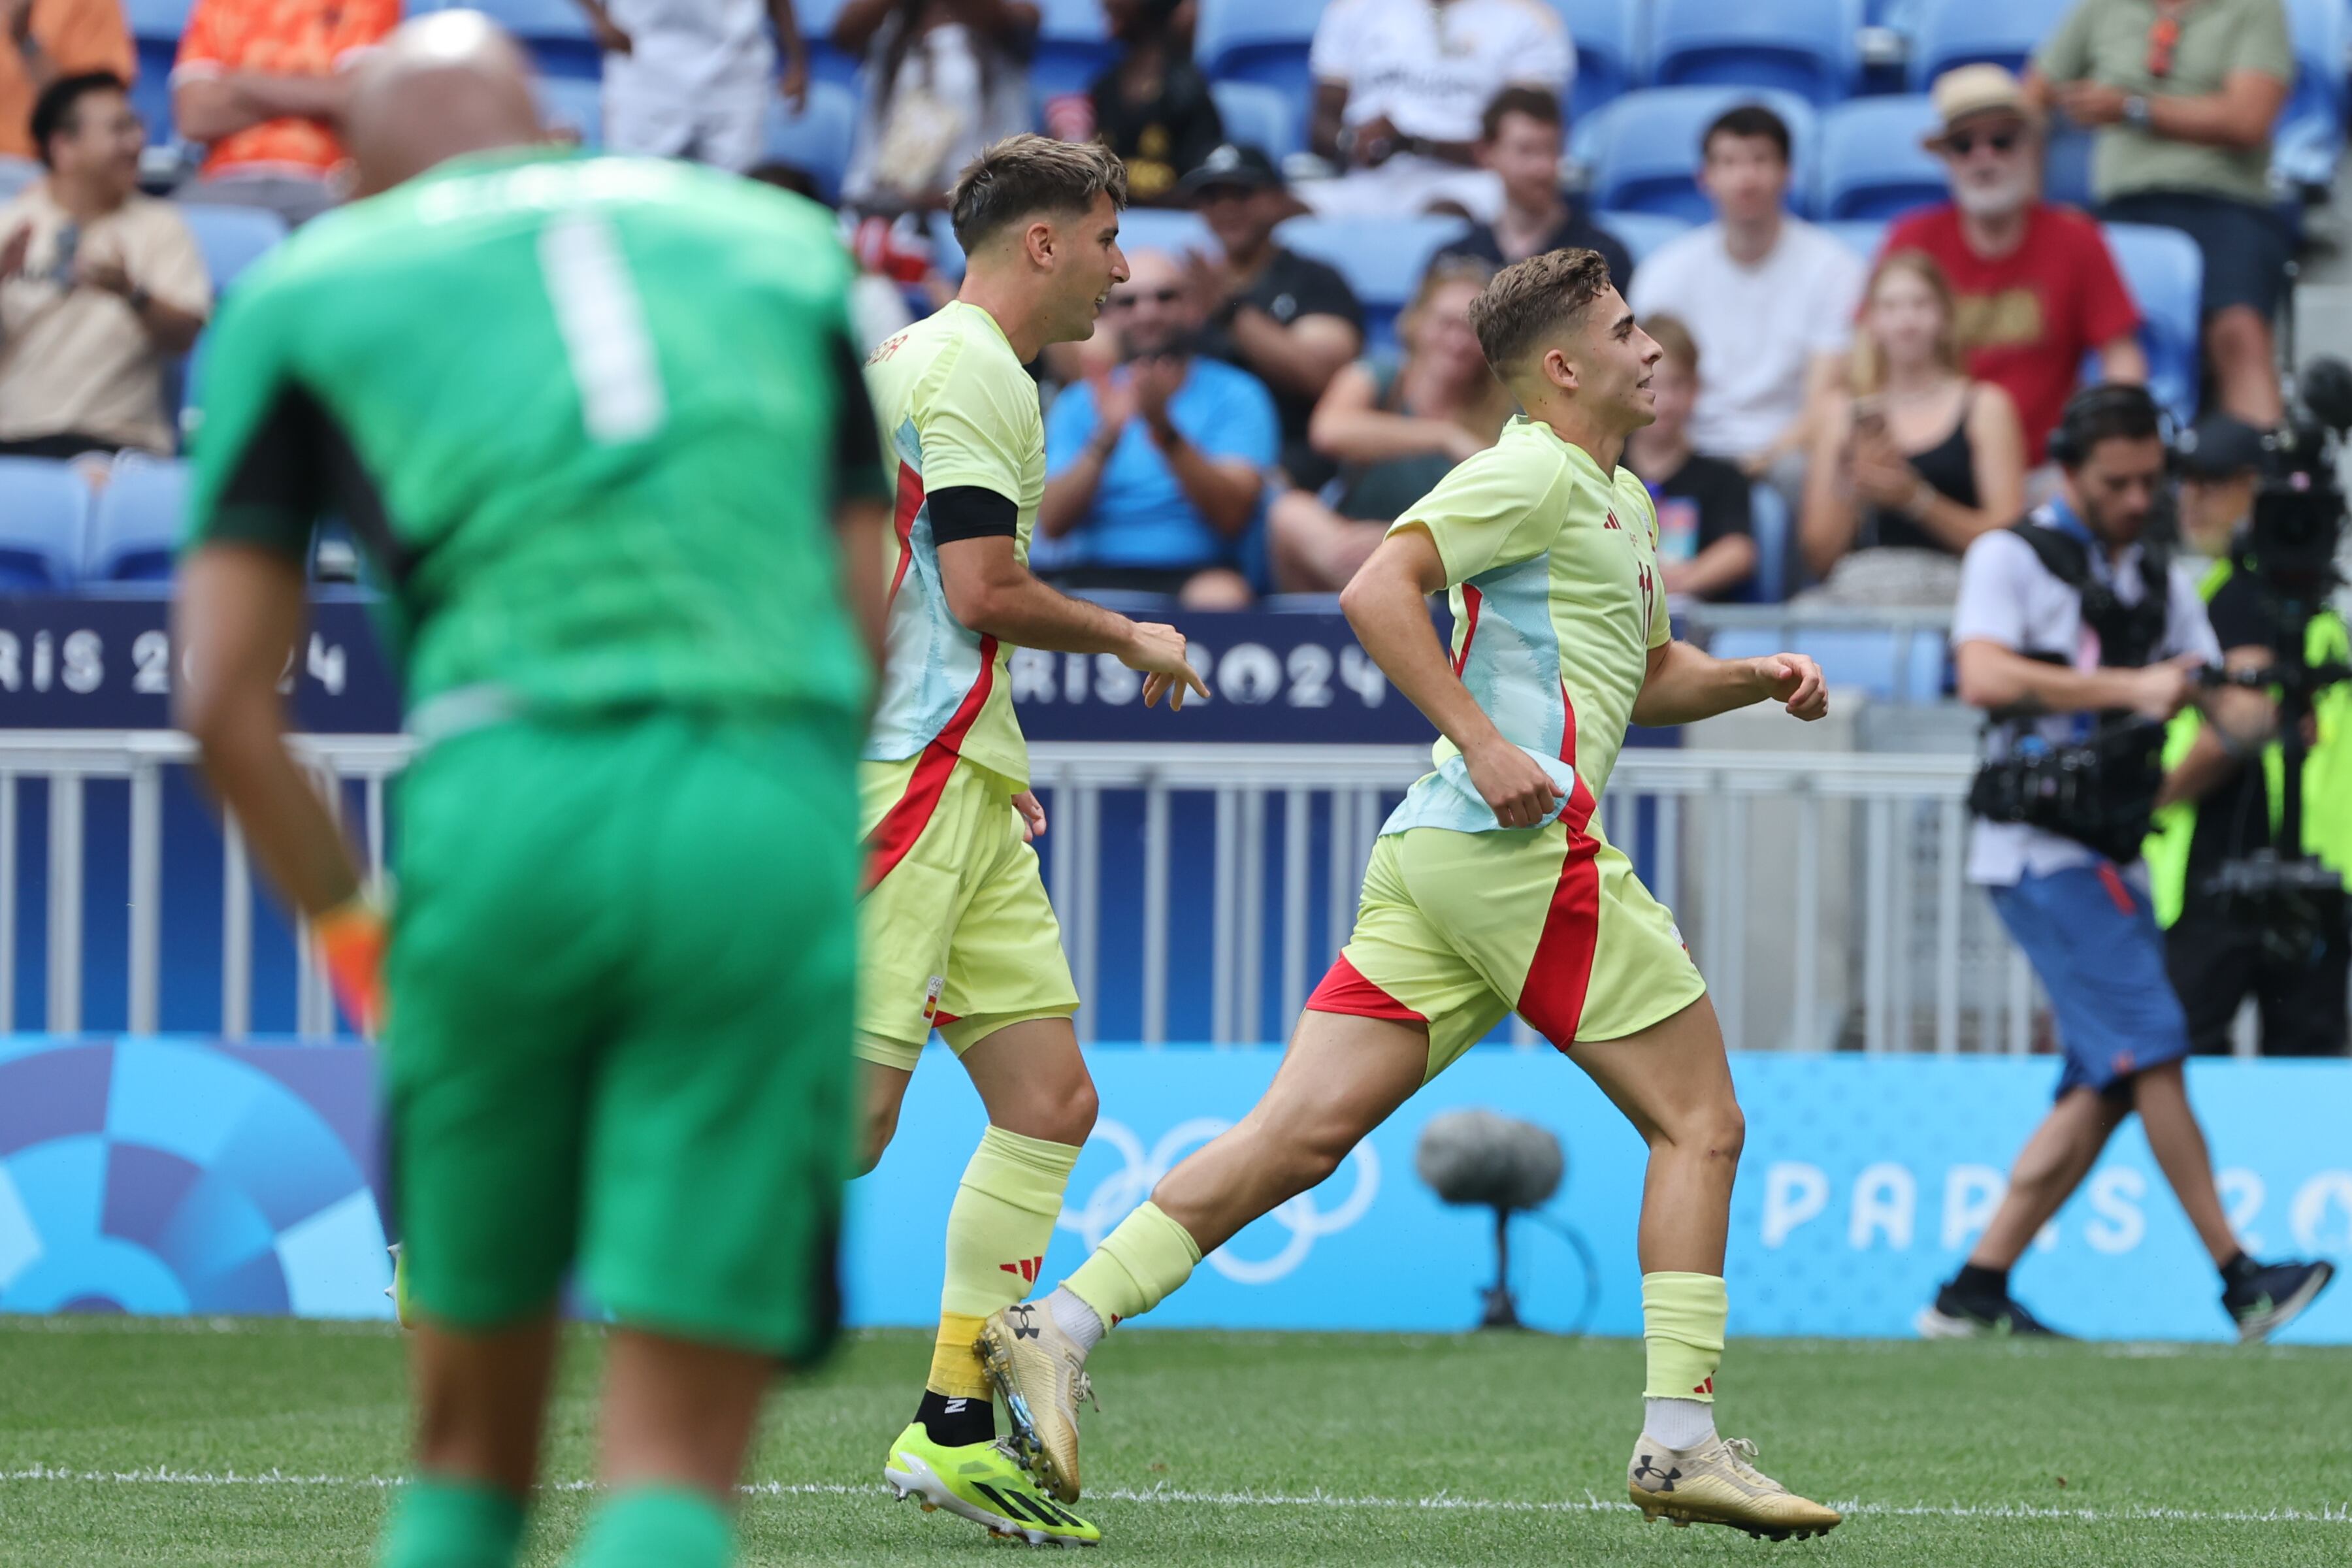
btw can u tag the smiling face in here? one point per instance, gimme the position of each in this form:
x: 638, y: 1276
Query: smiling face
x: 1616, y: 362
x: 1086, y: 265
x: 99, y: 142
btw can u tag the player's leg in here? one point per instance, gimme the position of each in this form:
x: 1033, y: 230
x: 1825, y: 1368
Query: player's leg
x: 678, y: 1418
x: 478, y: 1399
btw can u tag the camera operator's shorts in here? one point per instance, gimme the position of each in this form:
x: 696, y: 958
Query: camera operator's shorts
x: 1456, y: 930
x: 954, y: 929
x: 2092, y: 937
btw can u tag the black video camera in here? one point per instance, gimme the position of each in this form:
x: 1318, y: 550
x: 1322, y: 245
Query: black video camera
x: 2101, y: 793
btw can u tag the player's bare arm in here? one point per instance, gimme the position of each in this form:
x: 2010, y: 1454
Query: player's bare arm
x: 1993, y: 676
x: 992, y: 593
x: 1387, y: 603
x: 1685, y: 685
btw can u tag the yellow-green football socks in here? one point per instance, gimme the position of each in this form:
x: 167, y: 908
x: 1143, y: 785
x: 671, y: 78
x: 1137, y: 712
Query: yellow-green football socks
x: 997, y: 1232
x: 1681, y: 1326
x: 1138, y: 1266
x: 446, y: 1523
x: 648, y: 1525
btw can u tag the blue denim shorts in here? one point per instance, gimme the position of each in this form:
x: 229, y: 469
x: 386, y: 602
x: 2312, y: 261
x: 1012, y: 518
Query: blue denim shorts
x: 2093, y: 940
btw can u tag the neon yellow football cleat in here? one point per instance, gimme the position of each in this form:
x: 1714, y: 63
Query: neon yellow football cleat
x: 398, y: 1288
x: 1716, y: 1482
x: 985, y: 1483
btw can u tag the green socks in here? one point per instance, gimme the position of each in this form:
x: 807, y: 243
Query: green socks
x: 1138, y: 1266
x: 1682, y: 1327
x: 450, y: 1524
x: 657, y: 1527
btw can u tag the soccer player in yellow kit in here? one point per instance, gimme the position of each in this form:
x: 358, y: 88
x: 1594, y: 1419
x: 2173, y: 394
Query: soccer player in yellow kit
x: 1492, y: 890
x: 955, y: 931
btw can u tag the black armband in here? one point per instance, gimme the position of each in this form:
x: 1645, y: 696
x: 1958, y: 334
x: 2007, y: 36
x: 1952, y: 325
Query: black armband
x: 971, y: 512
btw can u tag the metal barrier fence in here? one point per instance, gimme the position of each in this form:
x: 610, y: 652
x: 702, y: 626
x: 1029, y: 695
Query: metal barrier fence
x: 1822, y: 892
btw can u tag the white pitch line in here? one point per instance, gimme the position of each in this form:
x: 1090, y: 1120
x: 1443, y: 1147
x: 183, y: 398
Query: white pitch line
x: 2325, y: 1513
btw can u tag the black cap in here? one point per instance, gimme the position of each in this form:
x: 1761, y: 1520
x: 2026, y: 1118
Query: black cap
x: 1236, y: 166
x: 2219, y: 447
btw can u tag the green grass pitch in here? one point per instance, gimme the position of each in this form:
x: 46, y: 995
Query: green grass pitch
x: 256, y: 1444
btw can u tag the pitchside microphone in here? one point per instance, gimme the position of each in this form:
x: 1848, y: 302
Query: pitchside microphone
x: 1484, y: 1160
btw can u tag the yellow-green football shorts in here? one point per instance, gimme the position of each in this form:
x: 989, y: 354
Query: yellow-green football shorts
x: 1456, y: 930
x: 955, y: 931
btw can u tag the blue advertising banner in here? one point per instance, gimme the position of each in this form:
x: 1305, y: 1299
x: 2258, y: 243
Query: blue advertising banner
x: 177, y: 1175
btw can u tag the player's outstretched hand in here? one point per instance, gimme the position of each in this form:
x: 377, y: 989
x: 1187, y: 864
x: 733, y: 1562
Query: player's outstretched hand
x: 1031, y: 814
x: 1159, y: 652
x: 1796, y: 681
x: 1513, y: 783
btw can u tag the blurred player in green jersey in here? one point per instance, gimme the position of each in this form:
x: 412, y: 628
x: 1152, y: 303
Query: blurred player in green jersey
x: 599, y: 426
x: 1492, y: 890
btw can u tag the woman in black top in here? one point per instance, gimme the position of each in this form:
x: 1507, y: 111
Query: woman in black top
x: 1153, y: 107
x: 1917, y: 462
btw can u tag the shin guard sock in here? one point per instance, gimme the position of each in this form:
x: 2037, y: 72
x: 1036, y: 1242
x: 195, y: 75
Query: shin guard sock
x: 445, y: 1523
x: 1003, y: 1217
x: 1138, y: 1266
x: 1682, y: 1327
x: 645, y: 1526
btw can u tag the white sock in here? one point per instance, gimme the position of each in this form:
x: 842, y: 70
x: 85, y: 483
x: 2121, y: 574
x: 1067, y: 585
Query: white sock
x: 1078, y: 1320
x: 1680, y: 1424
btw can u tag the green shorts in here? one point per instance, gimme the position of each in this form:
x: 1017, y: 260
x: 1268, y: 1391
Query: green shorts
x: 622, y: 981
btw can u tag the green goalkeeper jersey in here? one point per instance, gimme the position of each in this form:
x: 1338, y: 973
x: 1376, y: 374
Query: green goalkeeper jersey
x: 589, y: 417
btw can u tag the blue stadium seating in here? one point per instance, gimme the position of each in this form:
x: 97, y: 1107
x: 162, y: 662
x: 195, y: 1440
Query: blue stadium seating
x: 825, y: 62
x: 1861, y: 236
x: 574, y: 104
x: 1872, y: 164
x: 1259, y: 116
x: 15, y: 174
x: 1643, y: 149
x: 2309, y: 137
x: 135, y: 523
x: 818, y: 138
x: 1610, y: 51
x: 43, y: 512
x: 232, y: 239
x: 1804, y: 47
x: 1961, y: 32
x: 1074, y: 46
x: 1639, y: 232
x: 155, y: 29
x: 1258, y: 40
x: 1871, y: 659
x: 2166, y: 273
x: 2067, y: 165
x: 1383, y: 260
x: 1163, y: 229
x: 1770, y: 525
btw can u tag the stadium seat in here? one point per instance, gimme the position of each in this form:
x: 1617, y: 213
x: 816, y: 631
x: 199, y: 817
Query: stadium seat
x: 1639, y: 232
x: 1382, y: 258
x: 2309, y: 140
x: 818, y: 138
x: 1951, y: 33
x: 15, y: 174
x: 1643, y: 149
x: 1609, y: 50
x: 1866, y: 658
x: 1258, y: 40
x: 1257, y: 115
x: 232, y: 239
x: 155, y: 29
x: 1861, y: 236
x: 826, y: 63
x: 2166, y: 274
x: 135, y: 523
x: 1074, y: 46
x: 1872, y: 164
x: 1805, y: 47
x: 1163, y: 229
x: 1771, y: 526
x: 43, y: 512
x: 574, y: 104
x: 2066, y: 166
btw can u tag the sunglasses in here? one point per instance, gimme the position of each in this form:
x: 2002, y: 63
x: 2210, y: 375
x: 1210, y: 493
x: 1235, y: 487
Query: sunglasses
x: 1157, y: 296
x: 1963, y: 142
x: 2161, y: 39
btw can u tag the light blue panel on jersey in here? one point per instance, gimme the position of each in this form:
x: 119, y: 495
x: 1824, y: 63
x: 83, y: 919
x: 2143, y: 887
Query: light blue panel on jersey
x: 1865, y: 1181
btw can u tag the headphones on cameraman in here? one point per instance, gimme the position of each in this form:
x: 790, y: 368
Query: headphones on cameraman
x: 2071, y: 442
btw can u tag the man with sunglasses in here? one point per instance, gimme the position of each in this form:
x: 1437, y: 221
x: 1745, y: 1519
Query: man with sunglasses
x: 2036, y: 287
x: 2183, y: 94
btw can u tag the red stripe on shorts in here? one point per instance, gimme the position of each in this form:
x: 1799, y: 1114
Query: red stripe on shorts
x: 1471, y: 600
x: 911, y: 812
x: 2117, y: 889
x: 902, y: 524
x: 1552, y: 998
x: 1345, y: 989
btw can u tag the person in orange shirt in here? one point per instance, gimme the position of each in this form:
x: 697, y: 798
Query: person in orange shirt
x: 42, y: 40
x: 261, y: 83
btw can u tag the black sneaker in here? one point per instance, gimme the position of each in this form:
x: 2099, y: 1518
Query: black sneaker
x: 1955, y: 1316
x: 2273, y: 1296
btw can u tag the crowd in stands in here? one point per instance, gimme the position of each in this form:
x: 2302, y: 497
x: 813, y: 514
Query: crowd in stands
x: 1247, y: 420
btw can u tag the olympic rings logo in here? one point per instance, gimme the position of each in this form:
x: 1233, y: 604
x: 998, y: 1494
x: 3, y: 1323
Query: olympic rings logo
x: 1118, y: 1195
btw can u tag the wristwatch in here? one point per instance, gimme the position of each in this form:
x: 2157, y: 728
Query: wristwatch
x: 2136, y: 111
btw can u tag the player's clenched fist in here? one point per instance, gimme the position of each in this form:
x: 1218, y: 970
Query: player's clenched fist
x: 1513, y: 783
x: 1159, y: 652
x: 1795, y: 680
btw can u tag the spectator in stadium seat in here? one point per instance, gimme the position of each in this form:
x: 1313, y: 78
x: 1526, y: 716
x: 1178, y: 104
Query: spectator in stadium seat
x: 99, y: 286
x: 262, y: 83
x: 1292, y: 323
x: 1520, y: 139
x: 2184, y: 93
x: 943, y: 79
x: 1915, y: 461
x: 42, y: 40
x: 691, y: 80
x: 1707, y: 549
x: 1769, y: 298
x: 1156, y: 469
x: 1395, y: 428
x: 1153, y: 107
x: 1399, y: 89
x: 2037, y: 288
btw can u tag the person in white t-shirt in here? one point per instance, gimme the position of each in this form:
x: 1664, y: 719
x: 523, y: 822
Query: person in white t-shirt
x: 1769, y: 299
x: 1399, y: 86
x: 688, y: 79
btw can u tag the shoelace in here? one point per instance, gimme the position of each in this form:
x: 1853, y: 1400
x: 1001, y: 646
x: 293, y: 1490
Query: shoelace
x: 1742, y: 1453
x: 1083, y: 1387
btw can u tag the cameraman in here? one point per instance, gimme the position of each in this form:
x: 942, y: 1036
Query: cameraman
x: 2050, y: 654
x: 2228, y: 801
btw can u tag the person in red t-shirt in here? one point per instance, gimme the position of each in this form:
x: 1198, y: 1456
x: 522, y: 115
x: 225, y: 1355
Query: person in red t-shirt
x: 2036, y: 284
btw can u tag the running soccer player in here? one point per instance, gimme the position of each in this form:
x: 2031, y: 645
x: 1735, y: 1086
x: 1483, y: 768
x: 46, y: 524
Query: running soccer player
x: 1492, y: 890
x: 598, y: 423
x: 956, y: 930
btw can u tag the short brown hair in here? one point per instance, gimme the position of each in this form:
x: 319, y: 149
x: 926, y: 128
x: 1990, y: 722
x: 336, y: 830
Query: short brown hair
x: 1024, y: 175
x: 1531, y: 298
x: 1539, y: 104
x: 1674, y: 339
